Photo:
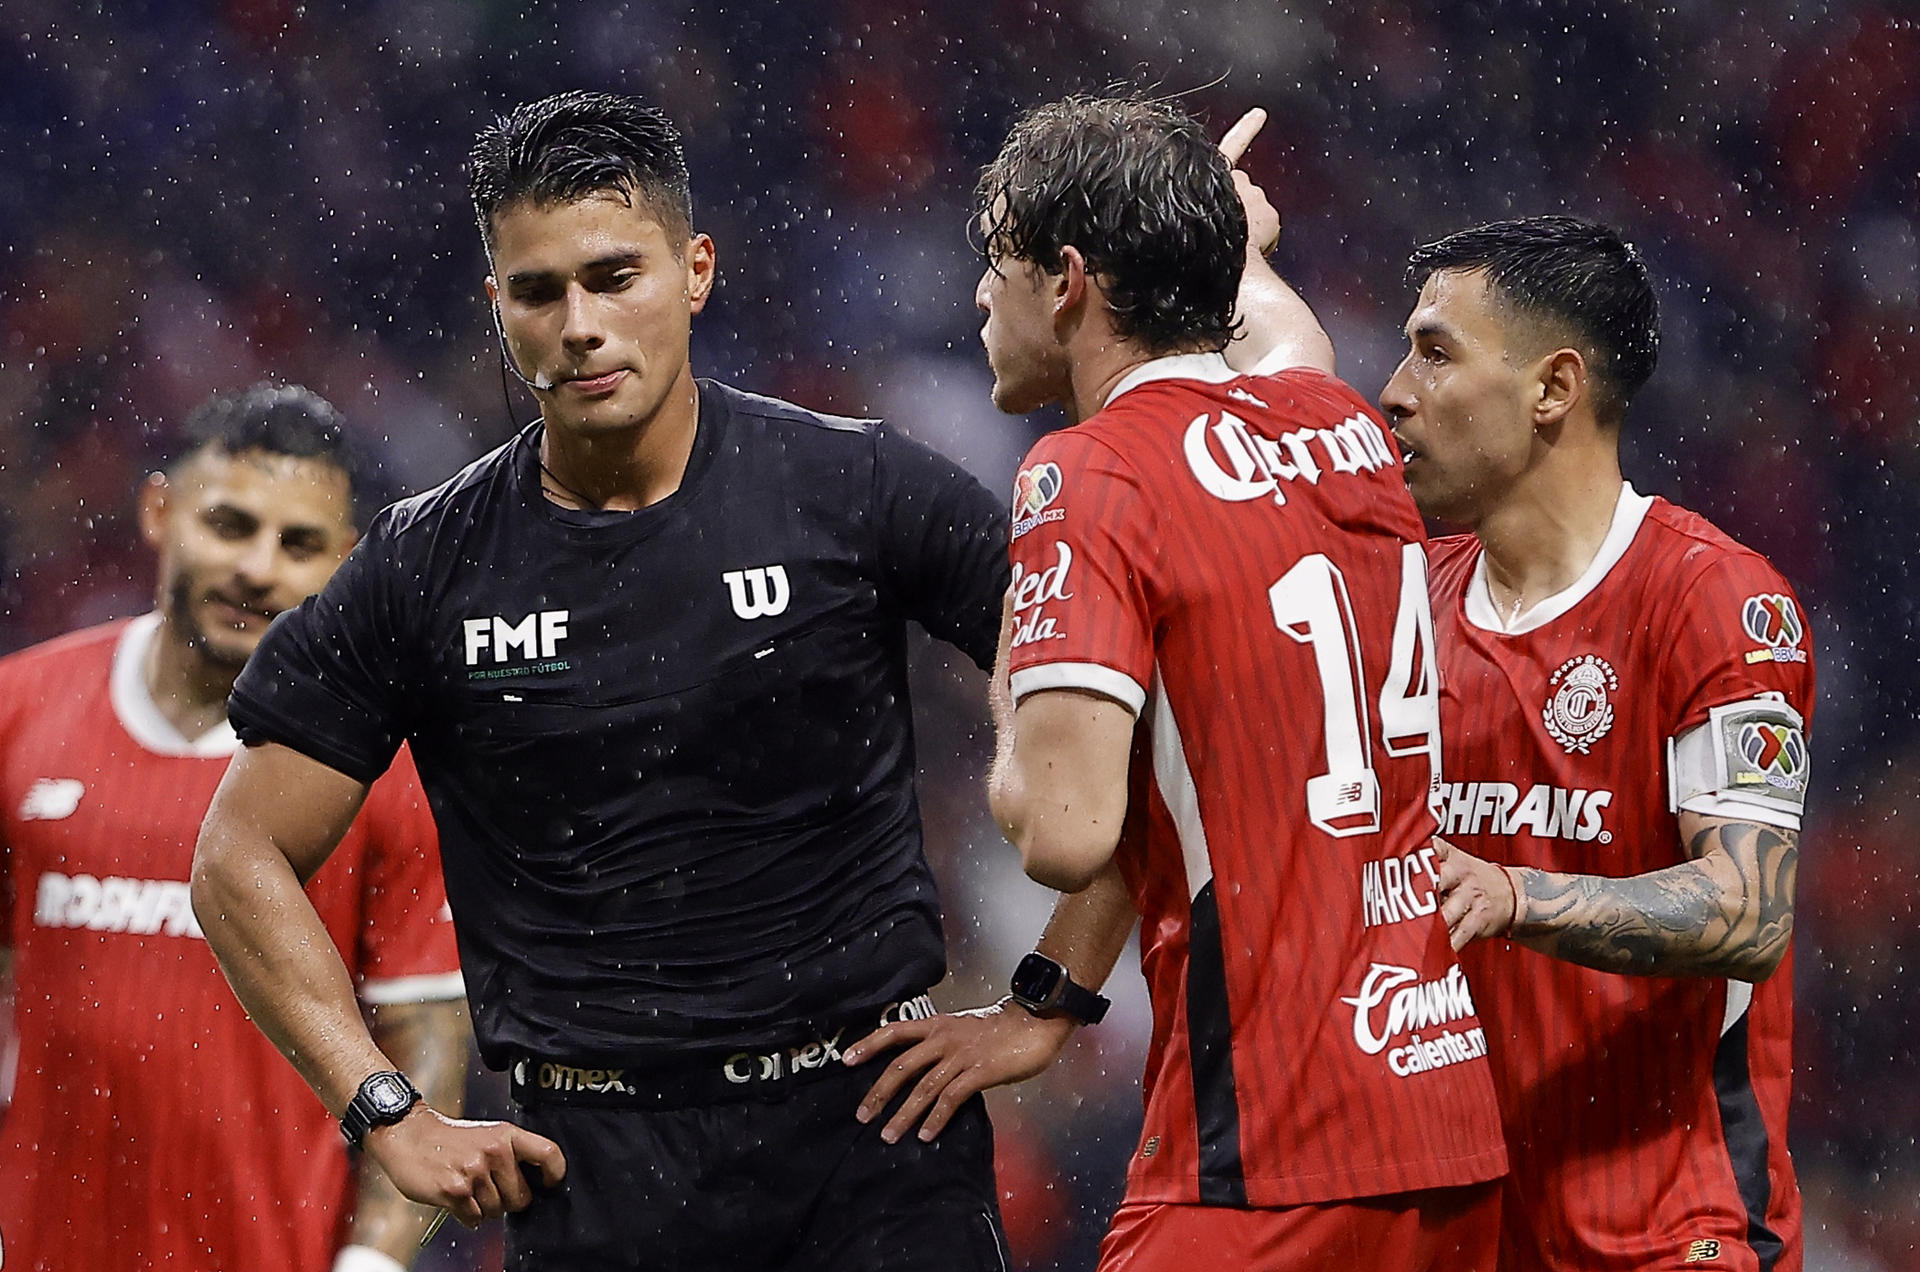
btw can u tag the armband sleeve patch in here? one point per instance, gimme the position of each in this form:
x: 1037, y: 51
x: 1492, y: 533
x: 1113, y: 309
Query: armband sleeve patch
x: 1749, y: 754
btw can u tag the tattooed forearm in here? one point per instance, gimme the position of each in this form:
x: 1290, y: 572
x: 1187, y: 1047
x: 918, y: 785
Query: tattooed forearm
x: 1727, y: 912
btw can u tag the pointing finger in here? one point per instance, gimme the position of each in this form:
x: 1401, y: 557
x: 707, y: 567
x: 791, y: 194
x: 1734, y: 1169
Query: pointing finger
x: 541, y: 1152
x: 1241, y: 135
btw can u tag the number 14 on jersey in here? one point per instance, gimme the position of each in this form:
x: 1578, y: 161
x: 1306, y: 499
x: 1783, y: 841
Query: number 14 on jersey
x: 1312, y: 606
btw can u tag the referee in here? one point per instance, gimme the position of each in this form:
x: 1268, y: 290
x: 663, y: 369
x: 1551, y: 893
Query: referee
x: 650, y: 656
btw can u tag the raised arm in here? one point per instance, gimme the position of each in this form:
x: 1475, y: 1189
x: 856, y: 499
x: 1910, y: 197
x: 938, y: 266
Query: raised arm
x: 1726, y: 911
x: 1277, y: 328
x: 276, y: 817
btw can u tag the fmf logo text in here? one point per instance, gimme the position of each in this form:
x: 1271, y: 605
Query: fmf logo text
x: 1032, y: 589
x: 535, y: 636
x: 1255, y: 464
x: 1546, y: 812
x: 1413, y: 1005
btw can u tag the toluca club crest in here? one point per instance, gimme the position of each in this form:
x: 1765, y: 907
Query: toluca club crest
x: 1579, y: 713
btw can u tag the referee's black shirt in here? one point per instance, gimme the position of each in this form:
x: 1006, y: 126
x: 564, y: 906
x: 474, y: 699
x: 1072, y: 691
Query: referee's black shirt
x: 669, y: 751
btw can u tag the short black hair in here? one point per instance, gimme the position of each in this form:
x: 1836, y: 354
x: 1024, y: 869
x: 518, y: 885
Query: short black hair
x: 278, y: 419
x: 1144, y: 194
x: 1578, y: 275
x: 564, y: 148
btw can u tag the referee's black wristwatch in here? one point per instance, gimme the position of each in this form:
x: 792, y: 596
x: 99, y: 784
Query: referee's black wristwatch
x: 1043, y: 987
x: 383, y: 1099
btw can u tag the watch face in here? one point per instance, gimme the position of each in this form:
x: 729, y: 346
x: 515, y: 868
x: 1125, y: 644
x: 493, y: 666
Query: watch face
x: 1038, y: 980
x: 386, y: 1093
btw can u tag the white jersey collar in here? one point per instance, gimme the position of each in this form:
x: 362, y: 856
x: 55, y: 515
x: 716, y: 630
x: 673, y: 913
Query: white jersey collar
x: 139, y: 715
x: 1209, y: 368
x: 1628, y: 513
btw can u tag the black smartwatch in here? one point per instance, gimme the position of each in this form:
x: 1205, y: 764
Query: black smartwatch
x: 1043, y: 987
x: 382, y: 1100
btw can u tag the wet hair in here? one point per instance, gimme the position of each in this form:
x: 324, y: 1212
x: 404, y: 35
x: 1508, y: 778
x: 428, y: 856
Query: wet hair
x: 276, y: 419
x: 1145, y: 196
x: 564, y: 148
x: 1575, y: 277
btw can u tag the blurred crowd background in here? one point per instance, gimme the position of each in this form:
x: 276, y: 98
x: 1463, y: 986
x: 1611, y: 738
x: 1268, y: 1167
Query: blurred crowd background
x: 198, y: 194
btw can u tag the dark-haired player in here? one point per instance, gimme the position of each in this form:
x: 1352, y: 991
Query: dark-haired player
x: 151, y: 1125
x: 651, y: 656
x: 1625, y: 693
x: 1222, y: 662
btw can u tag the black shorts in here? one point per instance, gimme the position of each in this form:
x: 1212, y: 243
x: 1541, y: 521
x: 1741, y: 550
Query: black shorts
x: 782, y: 1177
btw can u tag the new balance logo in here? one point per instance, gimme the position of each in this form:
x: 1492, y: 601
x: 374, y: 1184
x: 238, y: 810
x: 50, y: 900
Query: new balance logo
x: 535, y: 636
x: 760, y: 592
x: 1702, y: 1251
x: 52, y: 799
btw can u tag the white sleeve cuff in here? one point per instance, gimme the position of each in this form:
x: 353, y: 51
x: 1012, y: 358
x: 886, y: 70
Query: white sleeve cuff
x: 432, y: 988
x: 359, y: 1258
x: 1107, y: 682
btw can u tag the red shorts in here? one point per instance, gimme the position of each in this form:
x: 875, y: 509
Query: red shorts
x: 1437, y: 1230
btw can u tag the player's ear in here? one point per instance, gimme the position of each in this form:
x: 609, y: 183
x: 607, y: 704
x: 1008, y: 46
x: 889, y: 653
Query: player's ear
x: 701, y: 266
x: 493, y: 293
x: 1069, y: 286
x: 155, y: 506
x: 1561, y: 385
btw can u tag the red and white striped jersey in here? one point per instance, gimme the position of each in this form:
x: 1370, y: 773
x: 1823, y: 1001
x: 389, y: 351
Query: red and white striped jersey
x: 1236, y: 559
x: 1646, y: 1116
x: 152, y: 1125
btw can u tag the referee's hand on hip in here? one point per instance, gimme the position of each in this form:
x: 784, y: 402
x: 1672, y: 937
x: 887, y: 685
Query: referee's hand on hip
x: 469, y: 1169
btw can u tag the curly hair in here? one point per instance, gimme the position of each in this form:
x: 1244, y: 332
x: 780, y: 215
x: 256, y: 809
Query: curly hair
x: 1143, y: 194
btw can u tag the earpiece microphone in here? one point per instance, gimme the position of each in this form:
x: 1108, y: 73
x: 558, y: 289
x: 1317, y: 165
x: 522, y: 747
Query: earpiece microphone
x: 539, y: 382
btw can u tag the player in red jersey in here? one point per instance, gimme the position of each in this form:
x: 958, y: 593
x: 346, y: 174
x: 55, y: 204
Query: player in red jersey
x: 151, y: 1124
x: 1625, y: 692
x: 1220, y: 648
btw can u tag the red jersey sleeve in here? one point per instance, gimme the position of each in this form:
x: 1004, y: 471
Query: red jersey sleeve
x: 1741, y: 633
x: 1083, y: 542
x: 407, y: 951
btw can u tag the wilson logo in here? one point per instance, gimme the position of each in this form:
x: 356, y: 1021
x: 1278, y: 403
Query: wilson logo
x: 760, y: 592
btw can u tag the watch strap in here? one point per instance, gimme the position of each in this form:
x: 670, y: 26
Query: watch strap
x: 362, y: 1114
x: 1082, y: 1003
x: 1060, y: 996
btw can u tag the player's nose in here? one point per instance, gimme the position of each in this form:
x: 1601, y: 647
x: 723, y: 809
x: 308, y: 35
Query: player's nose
x: 255, y: 567
x: 581, y: 326
x: 1397, y: 399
